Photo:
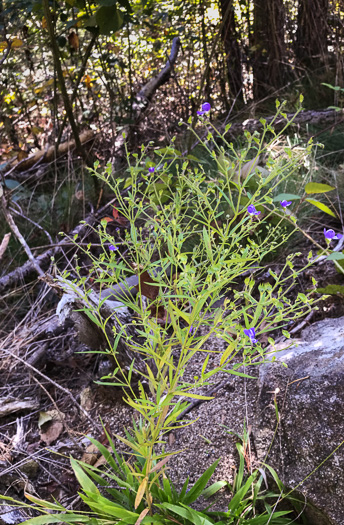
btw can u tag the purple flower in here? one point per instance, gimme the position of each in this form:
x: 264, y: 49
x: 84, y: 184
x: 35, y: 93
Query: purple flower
x: 330, y: 234
x: 252, y: 210
x: 151, y: 169
x: 284, y: 203
x: 113, y: 248
x: 205, y: 108
x: 191, y: 329
x: 251, y: 333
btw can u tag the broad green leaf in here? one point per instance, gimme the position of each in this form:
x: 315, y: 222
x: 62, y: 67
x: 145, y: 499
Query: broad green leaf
x: 331, y: 289
x: 109, y: 19
x: 321, y: 207
x: 316, y: 187
x: 335, y: 256
x: 286, y: 197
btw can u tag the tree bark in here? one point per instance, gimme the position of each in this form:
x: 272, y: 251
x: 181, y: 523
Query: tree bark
x: 269, y: 46
x: 311, y: 34
x: 232, y: 48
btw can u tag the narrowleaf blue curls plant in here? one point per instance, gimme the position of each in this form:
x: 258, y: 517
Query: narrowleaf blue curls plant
x: 194, y: 248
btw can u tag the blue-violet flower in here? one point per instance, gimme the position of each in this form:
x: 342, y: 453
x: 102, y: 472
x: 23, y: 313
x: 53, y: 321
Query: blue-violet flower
x: 330, y: 234
x: 252, y: 210
x: 113, y: 248
x: 251, y: 333
x: 151, y: 169
x: 285, y: 203
x: 205, y: 108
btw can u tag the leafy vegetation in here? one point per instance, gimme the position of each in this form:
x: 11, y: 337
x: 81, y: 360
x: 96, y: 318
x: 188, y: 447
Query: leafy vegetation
x: 143, y: 93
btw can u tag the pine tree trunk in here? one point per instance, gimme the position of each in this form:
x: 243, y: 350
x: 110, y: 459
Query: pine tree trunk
x: 232, y: 49
x: 312, y: 31
x: 269, y: 47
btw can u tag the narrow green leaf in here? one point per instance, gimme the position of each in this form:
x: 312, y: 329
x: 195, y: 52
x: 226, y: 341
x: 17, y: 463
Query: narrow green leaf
x: 83, y: 479
x: 194, y: 517
x: 316, y: 187
x: 240, y: 374
x: 239, y: 496
x: 227, y: 353
x: 193, y: 396
x: 58, y: 518
x: 200, y: 484
x: 215, y: 487
x: 321, y: 206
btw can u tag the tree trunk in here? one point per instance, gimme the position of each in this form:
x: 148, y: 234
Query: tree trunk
x: 232, y: 49
x: 311, y: 34
x: 269, y: 46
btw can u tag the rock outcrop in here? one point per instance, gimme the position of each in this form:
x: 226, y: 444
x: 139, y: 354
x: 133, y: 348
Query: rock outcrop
x: 304, y: 446
x: 311, y: 427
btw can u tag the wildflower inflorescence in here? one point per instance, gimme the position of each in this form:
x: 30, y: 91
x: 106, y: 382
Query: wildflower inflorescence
x: 252, y: 210
x: 330, y: 234
x: 205, y: 108
x: 251, y: 333
x: 285, y: 203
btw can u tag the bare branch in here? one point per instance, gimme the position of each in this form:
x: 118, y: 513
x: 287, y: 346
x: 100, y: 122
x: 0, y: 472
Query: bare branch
x: 4, y: 244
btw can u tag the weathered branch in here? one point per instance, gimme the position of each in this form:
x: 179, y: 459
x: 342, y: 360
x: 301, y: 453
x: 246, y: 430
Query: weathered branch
x: 43, y: 259
x: 323, y: 116
x: 19, y: 236
x: 146, y: 93
x: 4, y: 244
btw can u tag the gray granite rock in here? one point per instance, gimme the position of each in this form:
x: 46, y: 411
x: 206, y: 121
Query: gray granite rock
x: 309, y: 393
x: 310, y: 402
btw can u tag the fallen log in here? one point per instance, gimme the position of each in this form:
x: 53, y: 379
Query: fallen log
x: 50, y: 154
x: 323, y: 116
